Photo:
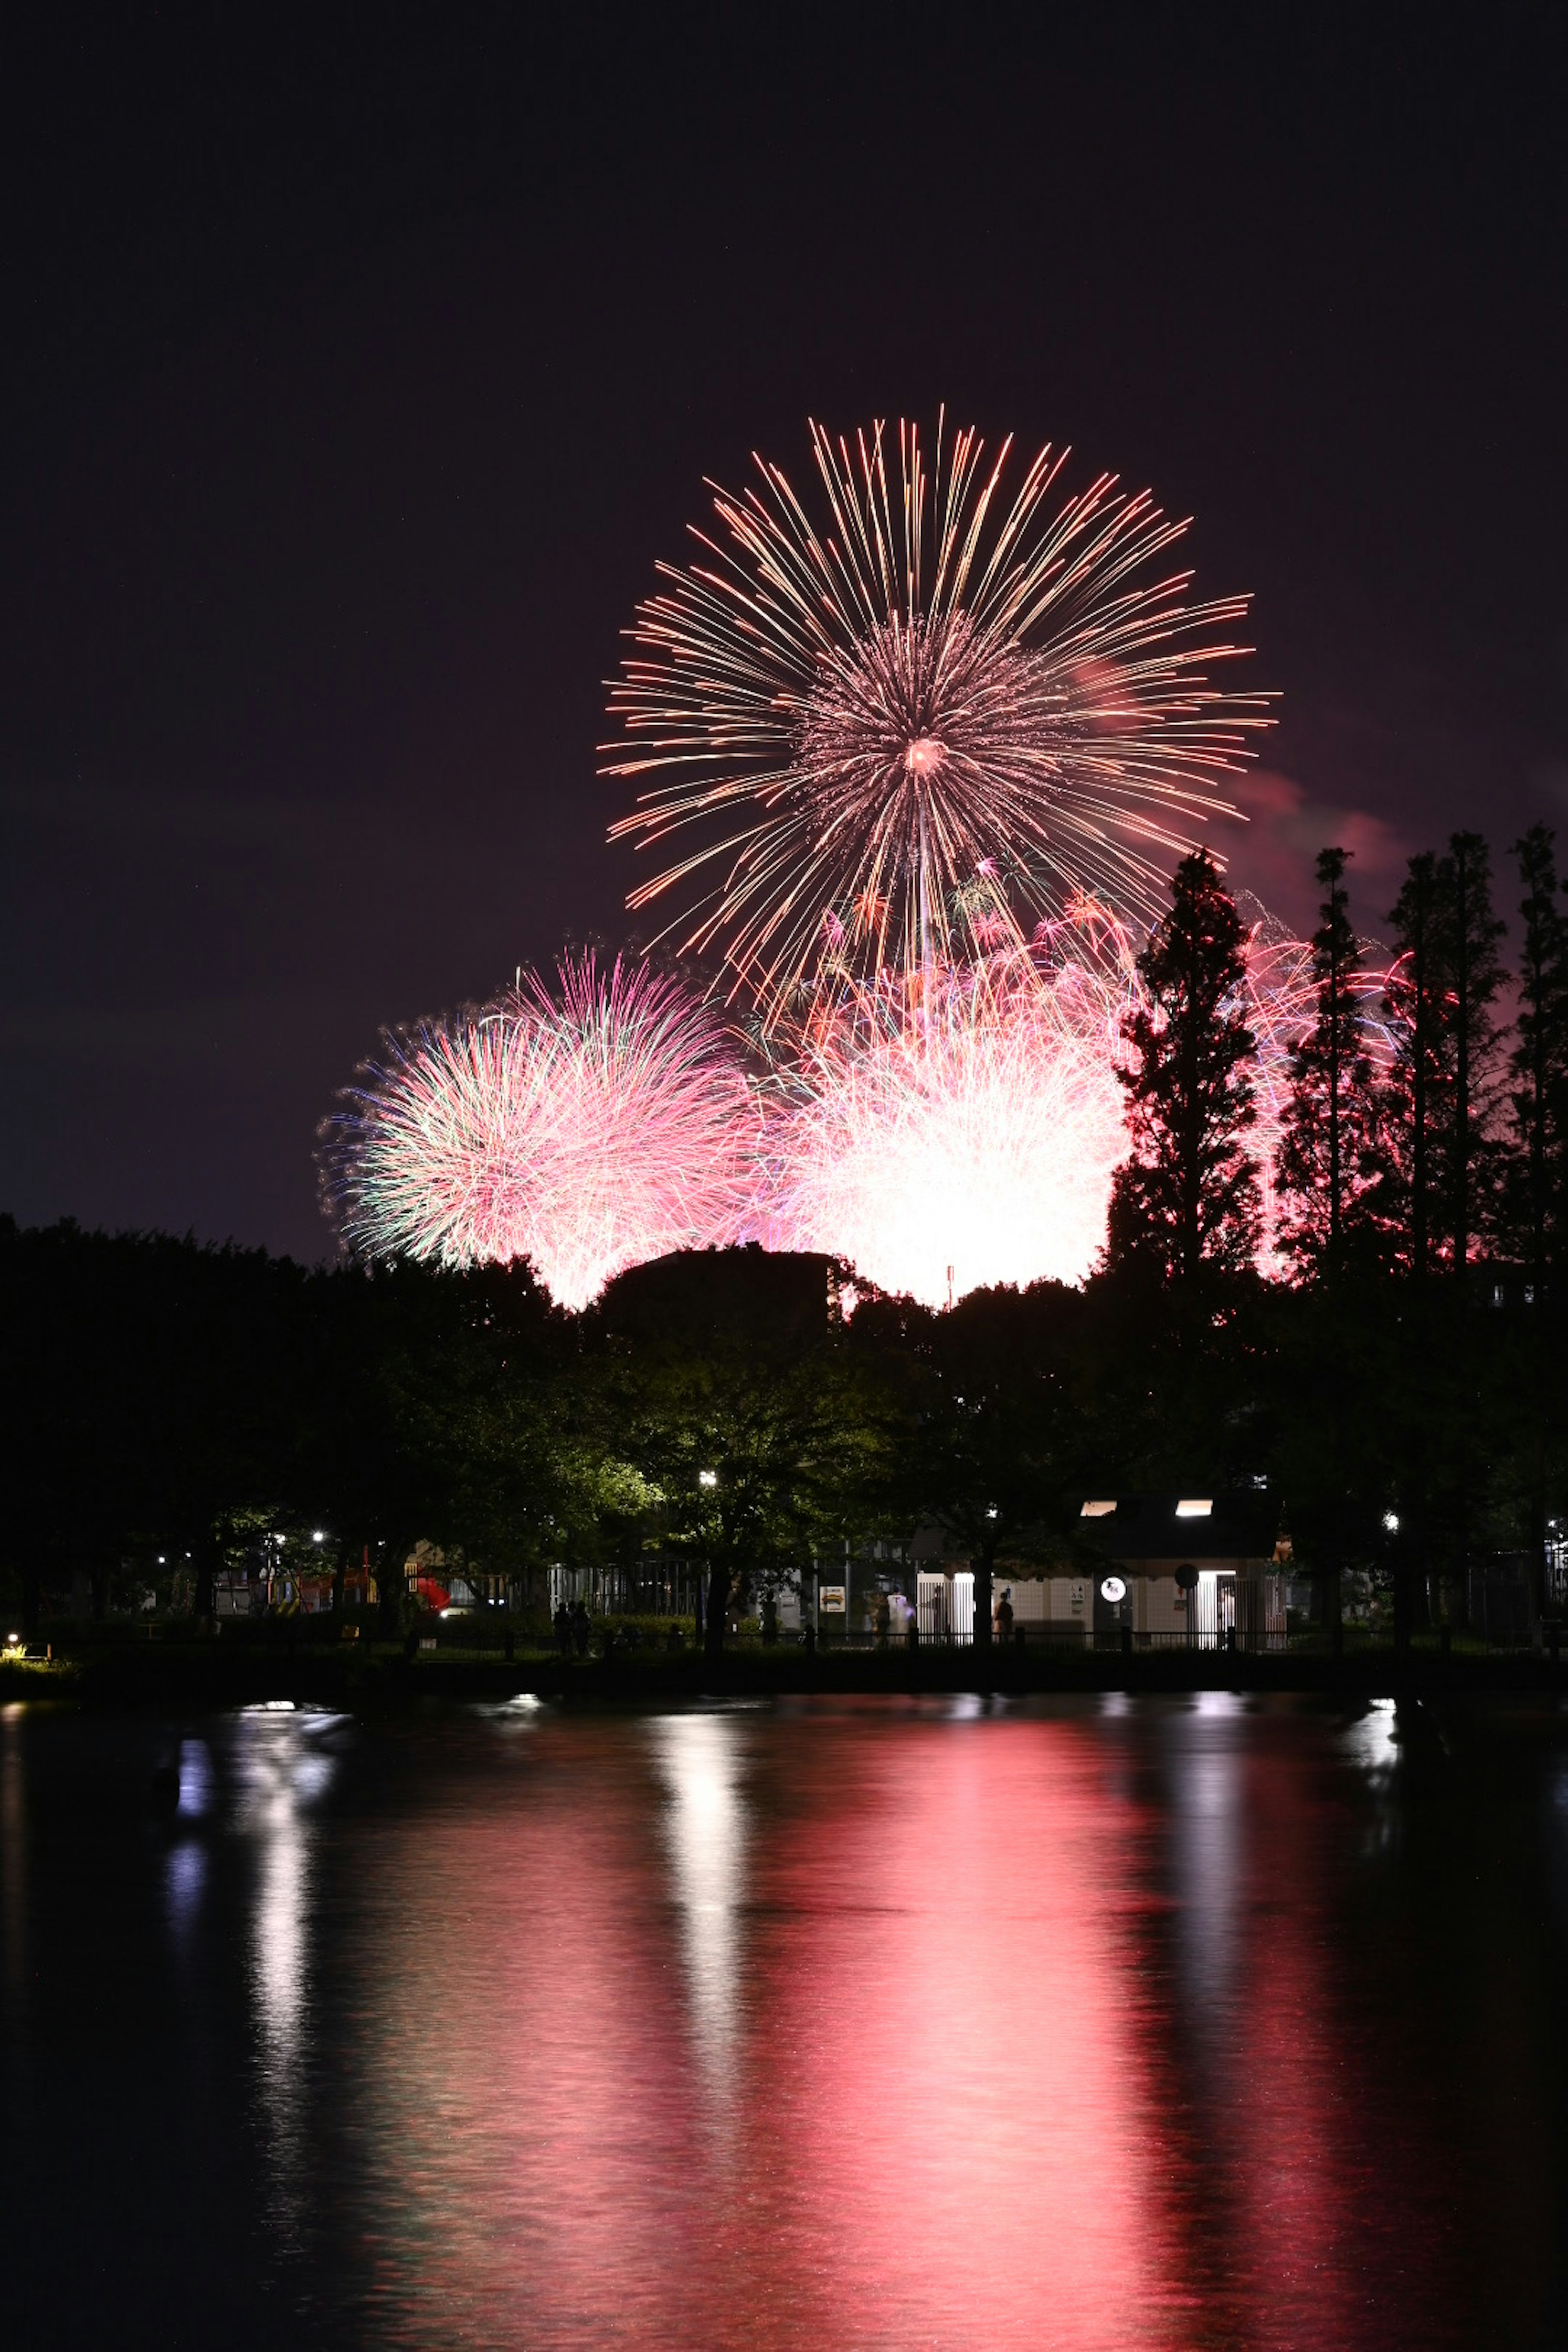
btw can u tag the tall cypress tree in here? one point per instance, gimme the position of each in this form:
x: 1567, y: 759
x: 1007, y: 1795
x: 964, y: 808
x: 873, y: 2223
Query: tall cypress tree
x: 1540, y: 1059
x: 1538, y: 1175
x: 1420, y: 1077
x: 1475, y: 976
x: 1185, y: 1202
x: 1326, y: 1153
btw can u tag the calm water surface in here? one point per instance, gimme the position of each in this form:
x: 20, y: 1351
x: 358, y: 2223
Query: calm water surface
x: 1117, y: 2024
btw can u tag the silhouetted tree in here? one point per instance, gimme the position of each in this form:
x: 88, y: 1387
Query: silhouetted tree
x: 1421, y: 1075
x: 1475, y: 977
x: 1538, y: 1177
x: 1539, y: 1060
x: 732, y: 1386
x: 1326, y: 1165
x: 1004, y: 1435
x: 1445, y: 1086
x: 1185, y: 1204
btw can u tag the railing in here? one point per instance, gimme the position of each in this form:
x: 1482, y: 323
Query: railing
x: 1070, y: 1639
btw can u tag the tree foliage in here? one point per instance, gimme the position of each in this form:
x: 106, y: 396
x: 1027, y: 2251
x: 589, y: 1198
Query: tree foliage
x: 1185, y: 1204
x: 1327, y: 1163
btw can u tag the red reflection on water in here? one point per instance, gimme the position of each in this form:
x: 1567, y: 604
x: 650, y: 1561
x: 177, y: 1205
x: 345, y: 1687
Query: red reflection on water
x: 532, y: 2149
x: 951, y: 2083
x: 883, y: 2031
x: 1318, y: 2168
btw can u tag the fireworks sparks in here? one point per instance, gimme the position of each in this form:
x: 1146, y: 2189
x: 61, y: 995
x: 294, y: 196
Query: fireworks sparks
x: 960, y: 1135
x: 921, y: 766
x: 943, y: 1129
x: 586, y: 1130
x: 849, y: 729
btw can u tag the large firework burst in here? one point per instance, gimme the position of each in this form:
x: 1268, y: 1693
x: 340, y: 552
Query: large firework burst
x: 587, y: 1129
x: 960, y: 1125
x: 942, y: 699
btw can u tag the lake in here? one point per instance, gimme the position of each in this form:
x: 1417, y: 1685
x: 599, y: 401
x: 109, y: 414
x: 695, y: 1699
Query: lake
x: 1074, y: 2024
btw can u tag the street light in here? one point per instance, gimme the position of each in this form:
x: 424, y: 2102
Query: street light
x: 1391, y: 1521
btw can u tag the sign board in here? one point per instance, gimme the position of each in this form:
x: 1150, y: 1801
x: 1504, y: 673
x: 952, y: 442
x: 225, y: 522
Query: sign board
x: 1113, y: 1589
x: 832, y: 1599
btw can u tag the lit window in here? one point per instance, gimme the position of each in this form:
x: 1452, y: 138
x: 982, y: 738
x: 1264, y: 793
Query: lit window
x: 1195, y: 1507
x: 1096, y: 1510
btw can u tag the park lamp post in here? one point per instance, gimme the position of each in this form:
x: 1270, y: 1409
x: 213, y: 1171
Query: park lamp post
x: 707, y: 1480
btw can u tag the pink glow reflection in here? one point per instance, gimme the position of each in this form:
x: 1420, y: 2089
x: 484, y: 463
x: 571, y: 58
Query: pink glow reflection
x: 964, y: 2147
x: 881, y: 2031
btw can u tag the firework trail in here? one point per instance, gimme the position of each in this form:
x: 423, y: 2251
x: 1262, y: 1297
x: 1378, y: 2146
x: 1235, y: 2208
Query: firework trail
x: 587, y: 1129
x: 845, y: 729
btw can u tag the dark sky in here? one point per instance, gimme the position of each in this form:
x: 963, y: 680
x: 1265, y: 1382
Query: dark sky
x: 358, y: 369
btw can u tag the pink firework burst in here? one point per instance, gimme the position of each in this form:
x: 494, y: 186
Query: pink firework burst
x: 959, y: 1129
x: 844, y: 723
x: 587, y: 1128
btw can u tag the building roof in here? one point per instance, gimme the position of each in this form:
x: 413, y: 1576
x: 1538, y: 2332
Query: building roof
x: 1243, y: 1524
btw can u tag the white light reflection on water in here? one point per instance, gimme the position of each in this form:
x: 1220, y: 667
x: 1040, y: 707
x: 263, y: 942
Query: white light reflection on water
x: 1372, y: 1741
x: 701, y: 1759
x: 523, y: 1713
x: 185, y: 1880
x: 1208, y: 1848
x: 195, y: 1780
x: 282, y: 1771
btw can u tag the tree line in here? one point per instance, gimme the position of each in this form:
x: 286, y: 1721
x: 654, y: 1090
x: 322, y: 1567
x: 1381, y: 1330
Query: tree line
x: 1421, y: 1193
x: 1396, y: 1385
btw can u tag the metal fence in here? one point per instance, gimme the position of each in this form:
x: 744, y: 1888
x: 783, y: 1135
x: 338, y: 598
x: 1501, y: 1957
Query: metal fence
x: 1070, y: 1641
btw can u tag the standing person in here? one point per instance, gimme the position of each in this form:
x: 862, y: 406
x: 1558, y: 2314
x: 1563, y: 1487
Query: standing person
x: 1002, y: 1616
x: 580, y: 1628
x: 881, y: 1619
x: 562, y: 1625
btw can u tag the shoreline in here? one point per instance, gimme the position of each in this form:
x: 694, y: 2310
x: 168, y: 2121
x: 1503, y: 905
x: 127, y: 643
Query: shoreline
x: 206, y: 1673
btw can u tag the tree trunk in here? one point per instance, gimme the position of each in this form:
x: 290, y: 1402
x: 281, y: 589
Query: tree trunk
x: 390, y: 1582
x: 1405, y: 1569
x: 716, y: 1610
x: 206, y: 1569
x: 1538, y: 1510
x: 983, y: 1580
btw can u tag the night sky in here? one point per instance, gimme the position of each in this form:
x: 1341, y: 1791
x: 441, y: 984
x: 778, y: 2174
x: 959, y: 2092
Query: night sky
x: 358, y: 369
